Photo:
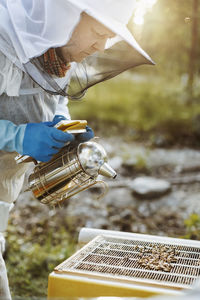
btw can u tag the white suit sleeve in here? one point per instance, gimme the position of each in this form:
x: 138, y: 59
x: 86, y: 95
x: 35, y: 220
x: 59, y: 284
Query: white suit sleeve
x: 10, y: 77
x: 62, y: 108
x: 11, y: 136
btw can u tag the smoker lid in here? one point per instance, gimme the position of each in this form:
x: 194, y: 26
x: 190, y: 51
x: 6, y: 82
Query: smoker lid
x: 91, y: 156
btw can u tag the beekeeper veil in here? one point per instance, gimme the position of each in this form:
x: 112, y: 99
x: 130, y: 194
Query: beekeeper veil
x: 38, y: 28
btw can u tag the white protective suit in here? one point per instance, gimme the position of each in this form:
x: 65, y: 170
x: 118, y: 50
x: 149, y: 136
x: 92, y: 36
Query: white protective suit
x: 21, y: 101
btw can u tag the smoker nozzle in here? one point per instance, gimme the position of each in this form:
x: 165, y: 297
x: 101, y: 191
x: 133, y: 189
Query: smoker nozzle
x: 107, y: 171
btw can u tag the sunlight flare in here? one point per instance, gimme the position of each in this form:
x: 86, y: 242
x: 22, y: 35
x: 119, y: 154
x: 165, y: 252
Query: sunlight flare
x: 142, y: 8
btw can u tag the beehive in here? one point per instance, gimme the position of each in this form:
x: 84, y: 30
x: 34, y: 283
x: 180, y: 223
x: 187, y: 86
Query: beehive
x: 109, y: 266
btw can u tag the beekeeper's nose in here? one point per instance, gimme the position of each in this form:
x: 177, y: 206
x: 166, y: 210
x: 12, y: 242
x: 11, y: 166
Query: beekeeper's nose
x: 99, y: 45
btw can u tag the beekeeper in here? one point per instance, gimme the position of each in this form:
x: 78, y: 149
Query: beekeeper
x: 51, y: 51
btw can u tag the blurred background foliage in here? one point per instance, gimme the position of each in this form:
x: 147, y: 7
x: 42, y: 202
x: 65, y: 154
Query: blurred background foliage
x: 193, y: 227
x: 151, y: 100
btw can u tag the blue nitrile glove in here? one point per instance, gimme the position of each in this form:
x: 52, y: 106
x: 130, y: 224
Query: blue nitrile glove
x: 41, y: 141
x: 55, y: 120
x: 86, y: 136
x: 58, y: 118
x: 82, y: 137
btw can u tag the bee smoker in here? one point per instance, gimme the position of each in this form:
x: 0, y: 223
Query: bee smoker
x: 69, y: 172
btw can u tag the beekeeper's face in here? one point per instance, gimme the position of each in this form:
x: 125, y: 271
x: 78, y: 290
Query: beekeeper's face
x: 88, y: 37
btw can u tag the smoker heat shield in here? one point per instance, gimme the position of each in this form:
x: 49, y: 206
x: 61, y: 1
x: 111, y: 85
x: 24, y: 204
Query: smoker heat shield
x: 109, y: 266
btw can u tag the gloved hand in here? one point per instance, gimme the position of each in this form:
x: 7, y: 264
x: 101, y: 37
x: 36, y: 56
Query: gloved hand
x: 82, y: 137
x: 42, y: 141
x: 58, y: 118
x: 86, y: 136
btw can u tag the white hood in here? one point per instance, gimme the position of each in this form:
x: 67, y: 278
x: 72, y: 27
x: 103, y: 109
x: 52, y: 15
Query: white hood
x: 42, y: 24
x: 34, y: 26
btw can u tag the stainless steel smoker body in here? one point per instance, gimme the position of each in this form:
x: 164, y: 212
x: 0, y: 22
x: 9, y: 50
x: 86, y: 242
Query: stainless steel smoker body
x: 71, y: 171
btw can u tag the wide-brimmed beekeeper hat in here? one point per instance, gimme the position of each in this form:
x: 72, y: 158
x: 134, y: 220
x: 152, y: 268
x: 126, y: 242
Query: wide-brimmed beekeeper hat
x: 115, y: 15
x: 32, y: 27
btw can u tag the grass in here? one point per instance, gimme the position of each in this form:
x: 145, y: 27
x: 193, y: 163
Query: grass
x: 34, y: 248
x: 140, y: 109
x: 193, y: 227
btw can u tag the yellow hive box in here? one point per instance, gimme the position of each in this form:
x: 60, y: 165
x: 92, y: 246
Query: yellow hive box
x: 108, y: 266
